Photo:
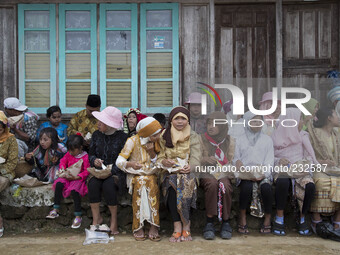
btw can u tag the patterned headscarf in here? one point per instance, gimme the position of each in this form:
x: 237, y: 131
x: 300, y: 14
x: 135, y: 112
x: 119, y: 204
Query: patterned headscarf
x: 171, y: 131
x: 6, y: 133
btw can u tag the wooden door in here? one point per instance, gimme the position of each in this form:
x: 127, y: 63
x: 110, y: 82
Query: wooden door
x: 245, y: 47
x: 310, y: 46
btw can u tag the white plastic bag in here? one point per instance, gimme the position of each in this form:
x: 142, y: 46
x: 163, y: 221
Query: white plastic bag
x: 96, y: 237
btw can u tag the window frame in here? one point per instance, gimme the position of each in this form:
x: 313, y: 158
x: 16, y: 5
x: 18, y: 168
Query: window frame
x: 174, y: 7
x: 134, y: 51
x: 52, y: 51
x: 62, y: 52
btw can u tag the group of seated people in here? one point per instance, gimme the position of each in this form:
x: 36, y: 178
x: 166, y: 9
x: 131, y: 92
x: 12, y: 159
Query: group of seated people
x: 147, y: 158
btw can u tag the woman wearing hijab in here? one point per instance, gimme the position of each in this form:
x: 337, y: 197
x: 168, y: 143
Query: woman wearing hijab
x: 132, y: 116
x: 8, y: 158
x: 326, y: 143
x: 217, y: 149
x: 292, y: 146
x: 269, y: 120
x: 312, y: 106
x: 179, y: 153
x: 254, y: 150
x: 138, y: 159
x: 106, y: 144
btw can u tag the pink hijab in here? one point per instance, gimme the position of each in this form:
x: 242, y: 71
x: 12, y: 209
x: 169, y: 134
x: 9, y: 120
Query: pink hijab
x: 266, y: 103
x: 284, y: 137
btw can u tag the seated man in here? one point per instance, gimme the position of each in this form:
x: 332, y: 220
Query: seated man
x: 23, y: 124
x: 83, y: 122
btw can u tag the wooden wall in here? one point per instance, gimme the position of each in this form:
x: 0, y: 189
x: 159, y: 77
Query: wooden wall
x: 194, y: 47
x: 8, y: 61
x: 310, y: 46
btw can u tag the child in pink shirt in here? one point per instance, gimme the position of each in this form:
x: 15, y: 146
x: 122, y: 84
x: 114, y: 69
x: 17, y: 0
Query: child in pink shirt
x: 70, y: 185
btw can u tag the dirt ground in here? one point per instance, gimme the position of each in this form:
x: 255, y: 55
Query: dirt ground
x: 72, y: 244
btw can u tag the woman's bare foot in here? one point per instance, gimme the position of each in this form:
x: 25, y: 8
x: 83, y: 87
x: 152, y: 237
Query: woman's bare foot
x: 186, y: 235
x: 153, y: 233
x: 139, y: 235
x: 176, y: 236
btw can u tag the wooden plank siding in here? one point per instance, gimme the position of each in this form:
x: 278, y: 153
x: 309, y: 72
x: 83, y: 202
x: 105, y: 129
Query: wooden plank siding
x: 245, y: 47
x: 194, y: 47
x: 8, y: 60
x: 310, y: 46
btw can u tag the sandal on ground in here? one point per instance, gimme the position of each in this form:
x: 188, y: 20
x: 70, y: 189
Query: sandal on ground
x: 139, y: 238
x: 209, y: 232
x: 1, y: 231
x: 244, y: 229
x: 102, y: 228
x: 53, y: 214
x: 266, y: 229
x: 186, y: 236
x: 279, y: 229
x: 304, y: 229
x: 76, y: 222
x: 226, y: 230
x: 175, y: 237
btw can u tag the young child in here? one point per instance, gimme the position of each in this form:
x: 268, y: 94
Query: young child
x: 76, y: 186
x: 53, y: 114
x: 46, y: 156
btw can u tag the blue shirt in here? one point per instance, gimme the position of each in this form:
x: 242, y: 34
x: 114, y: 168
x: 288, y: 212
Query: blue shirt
x: 61, y: 130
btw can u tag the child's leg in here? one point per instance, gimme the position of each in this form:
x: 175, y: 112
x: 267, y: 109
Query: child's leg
x: 246, y: 189
x: 267, y: 198
x: 77, y: 209
x: 77, y: 203
x: 58, y: 195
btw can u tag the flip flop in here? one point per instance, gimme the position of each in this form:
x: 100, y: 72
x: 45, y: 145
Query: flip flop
x: 186, y: 236
x: 264, y: 228
x: 176, y: 237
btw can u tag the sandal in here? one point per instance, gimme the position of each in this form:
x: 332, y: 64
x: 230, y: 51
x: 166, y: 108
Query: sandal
x: 226, y: 230
x: 244, y: 229
x: 304, y: 229
x: 52, y: 214
x: 139, y: 238
x: 209, y: 232
x: 175, y: 237
x: 266, y: 229
x: 102, y: 228
x: 279, y: 229
x: 186, y: 236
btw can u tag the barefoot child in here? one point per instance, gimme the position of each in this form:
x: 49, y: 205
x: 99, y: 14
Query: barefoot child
x: 71, y: 185
x: 46, y: 156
